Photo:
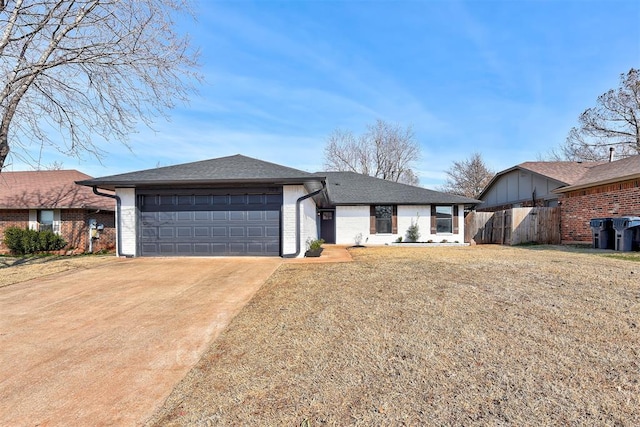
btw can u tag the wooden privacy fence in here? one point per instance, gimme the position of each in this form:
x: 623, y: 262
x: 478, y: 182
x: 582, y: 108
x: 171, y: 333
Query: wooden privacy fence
x: 514, y: 226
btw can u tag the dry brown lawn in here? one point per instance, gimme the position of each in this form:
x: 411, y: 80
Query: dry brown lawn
x: 483, y: 335
x: 15, y: 270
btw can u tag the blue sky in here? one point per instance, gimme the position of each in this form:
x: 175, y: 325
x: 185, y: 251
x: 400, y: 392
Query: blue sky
x: 507, y: 79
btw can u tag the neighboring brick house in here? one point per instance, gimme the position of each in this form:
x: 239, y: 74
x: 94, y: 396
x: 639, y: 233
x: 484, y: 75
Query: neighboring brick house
x: 531, y: 184
x: 606, y: 190
x: 52, y: 200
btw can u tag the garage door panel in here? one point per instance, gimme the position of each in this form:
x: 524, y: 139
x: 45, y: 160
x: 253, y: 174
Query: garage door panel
x: 184, y: 232
x: 237, y: 216
x: 220, y: 215
x: 201, y: 231
x: 219, y: 231
x: 210, y: 224
x: 237, y: 231
x: 255, y: 232
x: 255, y: 216
x: 185, y: 216
x: 201, y: 248
x: 166, y: 232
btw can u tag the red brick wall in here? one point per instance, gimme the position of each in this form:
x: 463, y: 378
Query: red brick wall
x: 580, y: 206
x: 73, y: 228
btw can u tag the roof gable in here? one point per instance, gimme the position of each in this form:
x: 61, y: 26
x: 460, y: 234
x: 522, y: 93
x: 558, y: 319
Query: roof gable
x: 231, y: 169
x: 54, y: 189
x: 565, y: 173
x: 350, y: 188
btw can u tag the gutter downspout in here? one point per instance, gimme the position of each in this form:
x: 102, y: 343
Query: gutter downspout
x: 118, y: 228
x: 300, y: 200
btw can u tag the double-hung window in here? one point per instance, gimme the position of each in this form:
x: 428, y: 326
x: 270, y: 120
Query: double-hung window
x: 444, y: 219
x: 383, y: 219
x: 45, y: 220
x: 384, y: 215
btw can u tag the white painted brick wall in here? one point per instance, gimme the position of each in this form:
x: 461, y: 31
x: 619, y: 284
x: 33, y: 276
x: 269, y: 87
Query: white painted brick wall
x: 308, y: 225
x: 127, y: 222
x: 351, y: 220
x: 421, y: 214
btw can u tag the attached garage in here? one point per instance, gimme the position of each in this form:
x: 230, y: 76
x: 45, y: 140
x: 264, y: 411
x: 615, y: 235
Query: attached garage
x: 210, y: 223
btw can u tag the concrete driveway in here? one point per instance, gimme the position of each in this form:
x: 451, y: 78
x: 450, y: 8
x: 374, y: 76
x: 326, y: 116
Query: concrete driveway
x: 106, y: 345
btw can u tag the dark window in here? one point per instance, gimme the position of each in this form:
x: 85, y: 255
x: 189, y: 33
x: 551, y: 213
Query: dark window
x: 384, y: 215
x: 444, y: 219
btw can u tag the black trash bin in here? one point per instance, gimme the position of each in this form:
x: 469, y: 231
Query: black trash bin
x: 602, y: 233
x: 626, y: 229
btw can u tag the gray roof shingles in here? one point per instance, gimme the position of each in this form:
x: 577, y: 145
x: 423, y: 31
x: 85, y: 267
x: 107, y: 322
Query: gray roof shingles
x: 342, y: 187
x: 350, y: 188
x: 229, y: 169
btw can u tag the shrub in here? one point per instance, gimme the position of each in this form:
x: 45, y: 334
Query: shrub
x: 24, y: 241
x: 314, y: 244
x: 413, y: 232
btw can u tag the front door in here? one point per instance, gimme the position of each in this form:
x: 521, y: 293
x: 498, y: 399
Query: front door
x: 328, y: 226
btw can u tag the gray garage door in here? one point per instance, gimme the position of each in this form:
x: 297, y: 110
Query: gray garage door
x: 209, y: 224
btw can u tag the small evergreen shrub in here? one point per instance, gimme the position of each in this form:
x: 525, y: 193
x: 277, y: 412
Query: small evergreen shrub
x: 413, y: 232
x: 22, y: 241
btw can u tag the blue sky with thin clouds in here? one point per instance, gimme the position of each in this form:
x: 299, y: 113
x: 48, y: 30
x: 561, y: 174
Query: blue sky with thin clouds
x: 507, y: 79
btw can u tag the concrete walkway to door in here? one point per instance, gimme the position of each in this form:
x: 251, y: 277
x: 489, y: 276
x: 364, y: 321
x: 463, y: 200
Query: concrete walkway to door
x: 106, y: 345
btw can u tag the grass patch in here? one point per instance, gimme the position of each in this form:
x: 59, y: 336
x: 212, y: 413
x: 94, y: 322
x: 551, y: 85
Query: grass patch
x: 483, y: 335
x: 625, y: 257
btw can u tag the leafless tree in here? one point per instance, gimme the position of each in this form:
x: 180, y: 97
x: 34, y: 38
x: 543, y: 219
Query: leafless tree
x: 74, y: 71
x: 468, y: 177
x: 613, y: 122
x: 385, y: 151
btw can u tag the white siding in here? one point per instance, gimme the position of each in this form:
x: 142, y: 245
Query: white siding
x: 351, y: 220
x: 308, y: 218
x: 127, y: 220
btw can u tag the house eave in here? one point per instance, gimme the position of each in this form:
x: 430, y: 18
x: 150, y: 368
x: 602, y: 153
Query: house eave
x: 147, y: 184
x: 595, y: 184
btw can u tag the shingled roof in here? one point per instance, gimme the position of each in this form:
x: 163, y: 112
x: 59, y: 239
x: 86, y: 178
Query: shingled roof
x: 223, y: 170
x: 350, y: 188
x: 565, y: 173
x: 54, y: 189
x: 604, y: 173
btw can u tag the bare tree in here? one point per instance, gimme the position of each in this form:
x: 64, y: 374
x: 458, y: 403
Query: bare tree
x: 72, y: 71
x: 468, y: 177
x: 613, y: 122
x: 385, y: 151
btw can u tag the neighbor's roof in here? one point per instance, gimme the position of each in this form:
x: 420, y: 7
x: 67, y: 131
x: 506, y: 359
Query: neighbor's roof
x: 54, y: 189
x: 605, y: 173
x: 222, y: 170
x: 350, y: 188
x: 565, y: 173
